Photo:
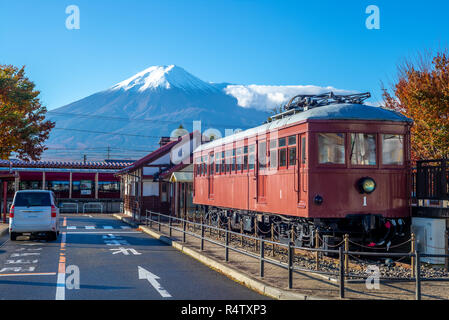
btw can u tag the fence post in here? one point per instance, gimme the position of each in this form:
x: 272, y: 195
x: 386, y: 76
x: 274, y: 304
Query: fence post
x: 146, y: 217
x: 346, y: 250
x: 226, y: 245
x: 290, y: 265
x: 446, y: 251
x: 151, y: 219
x: 272, y: 239
x: 169, y: 226
x: 262, y: 256
x: 184, y: 230
x: 255, y: 233
x: 241, y: 232
x: 418, y: 276
x: 202, y: 234
x: 342, y: 273
x: 317, y: 254
x: 159, y: 222
x: 412, y: 251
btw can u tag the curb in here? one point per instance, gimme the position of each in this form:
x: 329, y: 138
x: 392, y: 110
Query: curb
x: 126, y: 220
x: 4, y: 231
x: 230, y: 272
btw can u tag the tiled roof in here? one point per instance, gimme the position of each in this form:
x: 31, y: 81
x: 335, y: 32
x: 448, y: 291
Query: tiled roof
x: 64, y: 164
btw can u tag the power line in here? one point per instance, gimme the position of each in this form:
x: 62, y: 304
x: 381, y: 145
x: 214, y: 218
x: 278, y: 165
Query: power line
x: 152, y: 120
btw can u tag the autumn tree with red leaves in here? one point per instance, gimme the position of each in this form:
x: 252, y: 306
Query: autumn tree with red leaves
x: 422, y: 94
x: 23, y: 128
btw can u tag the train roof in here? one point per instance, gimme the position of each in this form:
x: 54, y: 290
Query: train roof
x: 344, y: 111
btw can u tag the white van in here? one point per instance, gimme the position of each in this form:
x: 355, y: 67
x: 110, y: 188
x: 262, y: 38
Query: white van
x: 34, y: 212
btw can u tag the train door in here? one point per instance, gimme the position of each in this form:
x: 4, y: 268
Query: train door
x: 261, y: 173
x: 302, y: 165
x: 210, y: 176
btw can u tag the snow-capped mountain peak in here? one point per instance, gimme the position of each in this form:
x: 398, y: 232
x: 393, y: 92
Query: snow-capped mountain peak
x: 165, y: 77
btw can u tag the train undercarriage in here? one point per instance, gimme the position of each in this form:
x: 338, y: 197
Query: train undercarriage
x: 369, y: 231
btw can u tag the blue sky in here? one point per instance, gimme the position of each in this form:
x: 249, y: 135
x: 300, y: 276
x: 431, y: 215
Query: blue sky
x: 322, y: 43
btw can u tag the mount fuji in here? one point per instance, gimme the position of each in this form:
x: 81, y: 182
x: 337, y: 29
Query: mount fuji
x: 127, y: 120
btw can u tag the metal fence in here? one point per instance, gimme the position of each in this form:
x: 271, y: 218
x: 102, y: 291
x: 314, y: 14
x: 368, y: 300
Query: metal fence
x: 343, y: 274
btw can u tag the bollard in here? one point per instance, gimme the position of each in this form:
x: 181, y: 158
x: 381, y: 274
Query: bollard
x: 342, y: 273
x: 317, y: 254
x: 290, y: 265
x: 346, y: 238
x: 226, y: 246
x: 262, y: 256
x: 418, y: 276
x: 412, y: 251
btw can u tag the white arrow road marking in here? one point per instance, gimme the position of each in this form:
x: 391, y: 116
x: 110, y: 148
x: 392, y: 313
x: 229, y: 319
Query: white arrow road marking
x: 20, y: 261
x: 152, y: 279
x: 17, y: 269
x: 125, y: 251
x: 25, y: 254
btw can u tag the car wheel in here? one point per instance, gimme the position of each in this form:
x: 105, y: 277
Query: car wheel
x: 52, y: 236
x: 13, y: 236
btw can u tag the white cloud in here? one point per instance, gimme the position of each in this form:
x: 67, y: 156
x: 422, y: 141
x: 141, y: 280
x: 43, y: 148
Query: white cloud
x: 268, y: 97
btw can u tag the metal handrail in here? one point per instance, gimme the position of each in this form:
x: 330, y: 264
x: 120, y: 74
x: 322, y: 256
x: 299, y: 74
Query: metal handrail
x: 342, y: 274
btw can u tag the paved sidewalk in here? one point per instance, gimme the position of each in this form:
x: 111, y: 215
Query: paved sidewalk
x: 306, y: 285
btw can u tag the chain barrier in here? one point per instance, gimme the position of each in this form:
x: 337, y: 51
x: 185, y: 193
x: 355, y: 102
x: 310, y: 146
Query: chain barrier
x: 377, y: 248
x: 331, y: 245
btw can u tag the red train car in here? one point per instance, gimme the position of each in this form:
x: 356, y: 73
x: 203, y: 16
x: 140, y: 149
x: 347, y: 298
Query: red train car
x: 328, y: 163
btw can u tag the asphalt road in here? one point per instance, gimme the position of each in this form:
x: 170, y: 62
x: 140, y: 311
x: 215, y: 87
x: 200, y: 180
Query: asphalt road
x: 112, y: 262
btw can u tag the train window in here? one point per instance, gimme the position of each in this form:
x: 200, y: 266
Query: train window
x: 392, y: 149
x: 233, y: 164
x: 239, y: 151
x: 303, y: 150
x: 239, y: 164
x: 245, y: 150
x: 251, y: 157
x: 292, y: 156
x: 331, y: 148
x: 262, y: 155
x: 363, y: 149
x: 273, y: 154
x: 283, y: 157
x: 245, y: 162
x: 282, y: 142
x: 292, y: 140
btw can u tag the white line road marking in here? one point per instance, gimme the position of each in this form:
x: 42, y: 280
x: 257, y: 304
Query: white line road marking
x: 152, y: 279
x: 116, y: 242
x: 17, y: 269
x: 105, y: 232
x: 71, y: 228
x: 125, y: 251
x: 90, y: 227
x: 108, y: 227
x: 25, y: 254
x: 20, y: 261
x: 29, y: 249
x: 125, y: 227
x: 27, y: 274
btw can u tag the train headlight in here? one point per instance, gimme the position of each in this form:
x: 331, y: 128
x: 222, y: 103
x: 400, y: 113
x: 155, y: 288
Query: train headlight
x: 367, y: 185
x: 318, y: 200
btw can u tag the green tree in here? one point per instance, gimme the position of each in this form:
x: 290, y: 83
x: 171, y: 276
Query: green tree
x: 23, y: 128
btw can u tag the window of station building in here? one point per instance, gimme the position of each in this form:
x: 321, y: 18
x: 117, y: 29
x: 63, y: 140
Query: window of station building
x: 363, y: 149
x: 331, y: 148
x: 58, y: 186
x: 392, y: 149
x: 108, y: 186
x: 30, y: 185
x: 262, y: 157
x: 251, y: 157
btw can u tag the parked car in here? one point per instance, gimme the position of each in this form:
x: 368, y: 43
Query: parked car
x: 34, y: 212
